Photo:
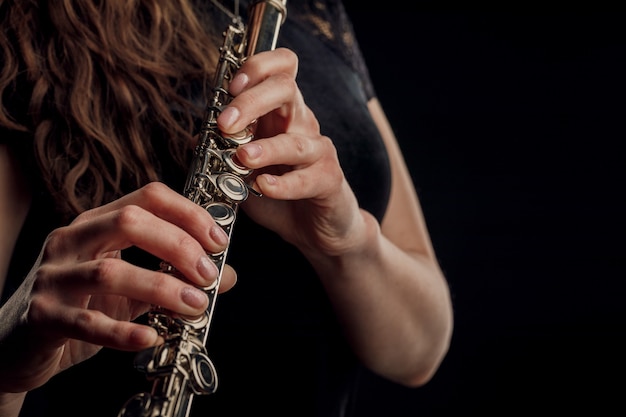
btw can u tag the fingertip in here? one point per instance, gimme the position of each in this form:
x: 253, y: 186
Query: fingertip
x: 228, y: 280
x: 143, y: 336
x: 252, y: 150
x: 228, y: 118
x: 194, y: 298
x: 266, y: 184
x: 238, y: 83
x: 268, y: 179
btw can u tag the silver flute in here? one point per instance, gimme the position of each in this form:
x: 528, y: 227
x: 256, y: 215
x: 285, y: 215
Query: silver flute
x: 180, y: 367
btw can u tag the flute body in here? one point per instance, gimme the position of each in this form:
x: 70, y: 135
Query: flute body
x: 180, y: 367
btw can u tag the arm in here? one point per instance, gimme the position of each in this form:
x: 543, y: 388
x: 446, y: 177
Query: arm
x: 392, y: 295
x: 14, y: 203
x: 11, y: 403
x: 383, y: 280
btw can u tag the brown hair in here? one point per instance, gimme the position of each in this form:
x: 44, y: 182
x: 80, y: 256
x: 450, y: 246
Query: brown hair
x: 90, y: 81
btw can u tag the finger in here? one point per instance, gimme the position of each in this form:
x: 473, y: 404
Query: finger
x: 319, y: 181
x: 262, y: 65
x: 228, y: 280
x: 134, y: 226
x: 59, y: 321
x: 172, y: 207
x: 286, y: 149
x: 97, y: 328
x: 117, y: 277
x: 277, y: 92
x: 315, y: 169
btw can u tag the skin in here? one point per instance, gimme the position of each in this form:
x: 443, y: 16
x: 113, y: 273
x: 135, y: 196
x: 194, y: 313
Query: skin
x: 383, y: 279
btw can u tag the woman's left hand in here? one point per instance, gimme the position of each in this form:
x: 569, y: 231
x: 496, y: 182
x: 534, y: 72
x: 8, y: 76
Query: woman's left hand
x: 306, y: 198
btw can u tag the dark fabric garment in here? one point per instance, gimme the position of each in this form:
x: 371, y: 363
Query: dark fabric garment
x: 274, y: 340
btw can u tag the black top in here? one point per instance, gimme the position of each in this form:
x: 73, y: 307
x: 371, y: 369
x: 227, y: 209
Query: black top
x: 275, y: 341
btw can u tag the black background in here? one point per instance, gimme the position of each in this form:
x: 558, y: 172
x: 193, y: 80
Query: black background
x: 512, y: 125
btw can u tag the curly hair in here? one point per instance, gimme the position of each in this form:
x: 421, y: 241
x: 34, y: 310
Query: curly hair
x: 90, y: 82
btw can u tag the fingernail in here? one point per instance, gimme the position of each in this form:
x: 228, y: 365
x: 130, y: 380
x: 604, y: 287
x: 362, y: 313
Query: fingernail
x: 207, y: 269
x: 193, y: 297
x: 269, y: 179
x: 229, y: 117
x: 219, y: 235
x: 238, y: 83
x: 253, y: 150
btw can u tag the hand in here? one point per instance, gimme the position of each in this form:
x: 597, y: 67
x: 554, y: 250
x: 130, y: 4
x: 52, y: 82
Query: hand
x: 81, y: 295
x: 307, y: 199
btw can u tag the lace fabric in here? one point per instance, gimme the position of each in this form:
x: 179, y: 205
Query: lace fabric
x: 326, y: 20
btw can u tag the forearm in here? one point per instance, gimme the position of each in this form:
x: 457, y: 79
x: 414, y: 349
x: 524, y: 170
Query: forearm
x: 11, y: 403
x: 395, y: 306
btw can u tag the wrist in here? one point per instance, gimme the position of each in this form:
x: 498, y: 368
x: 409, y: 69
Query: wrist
x: 11, y: 403
x: 362, y: 246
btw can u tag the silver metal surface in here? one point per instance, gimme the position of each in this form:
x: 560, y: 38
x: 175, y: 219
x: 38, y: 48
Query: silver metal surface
x: 180, y: 368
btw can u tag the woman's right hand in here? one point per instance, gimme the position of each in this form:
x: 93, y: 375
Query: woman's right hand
x: 81, y: 295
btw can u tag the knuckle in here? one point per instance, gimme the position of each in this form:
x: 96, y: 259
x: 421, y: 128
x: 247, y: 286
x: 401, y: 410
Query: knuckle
x: 127, y: 216
x: 85, y: 320
x: 247, y: 99
x: 286, y: 79
x: 154, y: 188
x: 152, y: 193
x: 330, y: 160
x: 328, y: 143
x: 329, y: 149
x: 43, y: 277
x: 187, y: 244
x: 83, y: 217
x: 301, y: 145
x: 311, y: 121
x: 288, y: 55
x: 288, y: 84
x: 337, y: 175
x: 103, y: 273
x: 38, y: 308
x: 55, y: 243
